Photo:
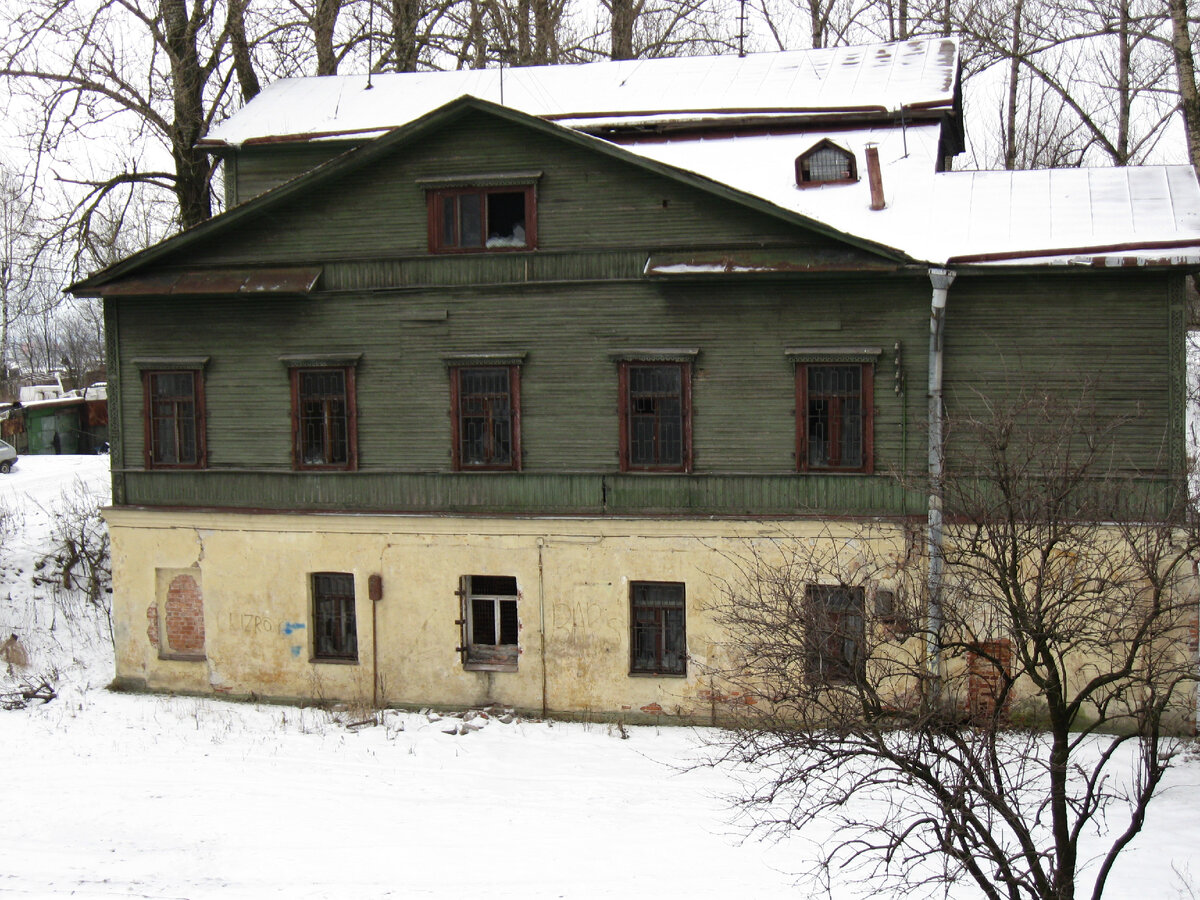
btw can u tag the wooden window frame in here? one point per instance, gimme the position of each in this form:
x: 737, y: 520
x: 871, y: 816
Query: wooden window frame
x: 659, y: 627
x: 343, y: 654
x: 626, y: 411
x: 825, y: 626
x: 494, y: 657
x: 351, y: 462
x: 867, y: 402
x: 825, y: 144
x: 199, y: 419
x: 456, y: 417
x: 435, y: 195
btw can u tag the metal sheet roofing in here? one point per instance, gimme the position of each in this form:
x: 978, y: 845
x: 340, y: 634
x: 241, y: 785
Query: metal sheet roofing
x: 916, y: 73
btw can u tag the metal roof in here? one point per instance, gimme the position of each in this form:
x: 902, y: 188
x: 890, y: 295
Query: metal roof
x: 913, y: 74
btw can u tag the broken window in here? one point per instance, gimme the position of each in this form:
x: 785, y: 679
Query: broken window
x: 490, y: 623
x: 657, y: 640
x: 486, y: 417
x: 826, y: 163
x: 335, y: 633
x: 481, y: 218
x: 656, y: 416
x: 323, y: 418
x: 174, y: 403
x: 834, y: 405
x: 835, y: 634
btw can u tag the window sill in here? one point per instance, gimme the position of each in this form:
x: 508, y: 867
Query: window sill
x: 658, y: 674
x: 332, y: 661
x: 489, y: 667
x: 183, y: 657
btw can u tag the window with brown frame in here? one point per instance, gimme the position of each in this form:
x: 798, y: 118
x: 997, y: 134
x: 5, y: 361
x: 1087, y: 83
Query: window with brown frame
x: 174, y: 406
x: 835, y: 636
x: 658, y: 644
x: 825, y: 163
x: 491, y: 626
x: 656, y: 416
x: 472, y: 219
x: 335, y: 632
x: 324, y: 418
x: 486, y: 417
x: 834, y: 428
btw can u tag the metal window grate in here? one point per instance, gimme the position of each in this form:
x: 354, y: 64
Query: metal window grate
x: 335, y: 633
x: 835, y: 417
x: 656, y: 416
x: 485, y: 410
x: 324, y: 417
x: 658, y: 644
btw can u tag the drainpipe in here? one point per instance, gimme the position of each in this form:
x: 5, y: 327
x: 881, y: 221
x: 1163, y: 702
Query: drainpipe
x: 941, y: 279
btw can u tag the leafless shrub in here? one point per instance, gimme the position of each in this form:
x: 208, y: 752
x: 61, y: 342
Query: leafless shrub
x: 78, y: 563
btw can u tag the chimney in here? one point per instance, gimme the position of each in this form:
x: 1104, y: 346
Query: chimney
x: 875, y: 177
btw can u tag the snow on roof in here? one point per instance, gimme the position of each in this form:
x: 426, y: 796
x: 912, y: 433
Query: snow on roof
x: 916, y: 73
x: 1116, y: 215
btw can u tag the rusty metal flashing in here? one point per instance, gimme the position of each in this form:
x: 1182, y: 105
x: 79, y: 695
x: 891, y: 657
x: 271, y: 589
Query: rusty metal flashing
x: 1096, y: 250
x: 219, y: 282
x: 758, y: 262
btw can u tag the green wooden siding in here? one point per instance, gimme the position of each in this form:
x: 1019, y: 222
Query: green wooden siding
x: 257, y: 169
x: 1003, y: 336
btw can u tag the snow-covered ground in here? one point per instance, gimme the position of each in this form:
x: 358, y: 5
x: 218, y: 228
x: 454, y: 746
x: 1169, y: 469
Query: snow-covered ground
x: 110, y: 795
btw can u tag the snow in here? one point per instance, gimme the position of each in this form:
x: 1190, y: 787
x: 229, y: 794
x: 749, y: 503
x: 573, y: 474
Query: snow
x: 880, y: 76
x: 113, y: 795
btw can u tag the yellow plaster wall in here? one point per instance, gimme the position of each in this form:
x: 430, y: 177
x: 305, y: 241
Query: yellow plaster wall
x: 573, y: 576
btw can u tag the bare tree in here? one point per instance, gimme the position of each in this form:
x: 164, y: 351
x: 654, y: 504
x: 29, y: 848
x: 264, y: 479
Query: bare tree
x: 1030, y: 712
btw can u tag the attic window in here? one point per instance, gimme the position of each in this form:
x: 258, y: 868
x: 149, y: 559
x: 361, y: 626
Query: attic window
x: 479, y: 218
x: 825, y: 163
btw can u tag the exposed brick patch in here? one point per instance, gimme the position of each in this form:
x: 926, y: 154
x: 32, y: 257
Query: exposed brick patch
x: 987, y: 670
x: 653, y: 709
x: 152, y: 623
x: 184, y: 614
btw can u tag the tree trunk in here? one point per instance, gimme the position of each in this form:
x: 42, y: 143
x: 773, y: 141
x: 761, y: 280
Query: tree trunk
x: 243, y: 62
x: 193, y: 168
x: 1185, y: 70
x: 324, y: 22
x: 1014, y: 74
x: 405, y: 15
x: 623, y: 16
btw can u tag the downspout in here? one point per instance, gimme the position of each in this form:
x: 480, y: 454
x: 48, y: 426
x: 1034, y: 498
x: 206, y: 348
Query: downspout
x: 941, y: 279
x: 541, y: 545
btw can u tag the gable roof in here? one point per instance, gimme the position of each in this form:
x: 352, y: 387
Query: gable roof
x: 368, y: 153
x: 916, y: 74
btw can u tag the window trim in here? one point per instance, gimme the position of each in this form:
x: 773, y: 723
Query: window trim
x: 296, y: 366
x: 482, y: 185
x: 316, y: 655
x: 660, y: 671
x: 624, y: 364
x: 505, y: 657
x: 865, y: 358
x: 152, y: 368
x: 513, y: 366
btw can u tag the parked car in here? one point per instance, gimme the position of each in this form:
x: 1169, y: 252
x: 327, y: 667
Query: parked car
x: 8, y: 457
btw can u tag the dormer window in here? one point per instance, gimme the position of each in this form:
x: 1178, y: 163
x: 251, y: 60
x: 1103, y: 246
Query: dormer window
x: 482, y: 213
x: 825, y: 163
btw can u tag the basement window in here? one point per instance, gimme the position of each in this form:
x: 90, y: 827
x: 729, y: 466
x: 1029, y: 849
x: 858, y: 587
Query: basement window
x: 657, y: 640
x: 490, y: 623
x: 825, y: 163
x: 335, y: 631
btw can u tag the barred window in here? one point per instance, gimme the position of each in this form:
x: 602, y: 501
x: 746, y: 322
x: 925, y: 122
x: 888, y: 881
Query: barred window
x: 657, y: 641
x: 486, y: 417
x: 335, y: 633
x: 833, y: 405
x: 174, y: 403
x: 835, y: 634
x: 655, y: 416
x: 323, y: 418
x: 824, y: 164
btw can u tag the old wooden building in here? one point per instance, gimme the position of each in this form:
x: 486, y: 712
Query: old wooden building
x: 479, y: 377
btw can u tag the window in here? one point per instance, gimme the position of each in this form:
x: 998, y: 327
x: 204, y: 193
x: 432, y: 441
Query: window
x: 335, y: 634
x: 490, y: 623
x: 656, y: 616
x: 174, y: 403
x: 464, y: 219
x: 656, y: 423
x: 825, y: 163
x: 486, y: 423
x: 323, y: 418
x: 835, y: 634
x: 833, y: 417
